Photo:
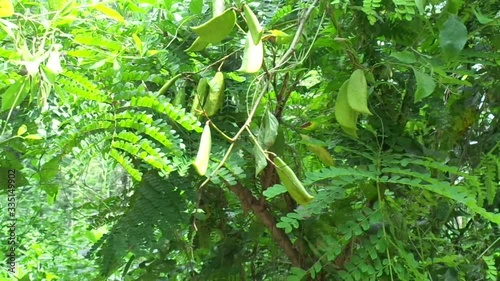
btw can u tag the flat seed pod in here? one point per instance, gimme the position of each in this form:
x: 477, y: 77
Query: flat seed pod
x: 253, y: 24
x: 200, y: 96
x: 292, y: 183
x: 253, y: 55
x: 357, y: 92
x: 350, y: 131
x: 198, y: 45
x: 202, y: 158
x: 215, y: 95
x: 345, y: 115
x: 218, y: 28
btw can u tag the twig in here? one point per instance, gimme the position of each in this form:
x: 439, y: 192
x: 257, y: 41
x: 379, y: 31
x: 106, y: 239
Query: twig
x: 297, y: 36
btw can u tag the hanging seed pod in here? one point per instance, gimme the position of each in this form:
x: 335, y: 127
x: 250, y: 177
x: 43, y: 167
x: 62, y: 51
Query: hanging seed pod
x: 216, y: 29
x: 357, y: 92
x: 202, y: 158
x: 292, y: 183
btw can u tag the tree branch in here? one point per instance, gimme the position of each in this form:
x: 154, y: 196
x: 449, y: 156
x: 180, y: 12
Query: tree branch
x: 250, y: 202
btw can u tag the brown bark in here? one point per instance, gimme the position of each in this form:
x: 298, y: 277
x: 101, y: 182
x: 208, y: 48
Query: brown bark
x: 250, y: 202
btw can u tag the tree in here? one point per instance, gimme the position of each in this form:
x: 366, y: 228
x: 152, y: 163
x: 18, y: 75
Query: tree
x: 385, y: 112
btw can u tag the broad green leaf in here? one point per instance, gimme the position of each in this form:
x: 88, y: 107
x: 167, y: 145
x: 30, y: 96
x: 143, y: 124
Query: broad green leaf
x: 15, y: 94
x: 279, y: 144
x: 253, y: 24
x: 198, y: 45
x: 50, y: 169
x: 253, y: 55
x: 425, y: 85
x: 346, y: 116
x: 482, y: 18
x: 23, y: 129
x: 109, y: 12
x: 405, y: 56
x: 218, y: 28
x: 269, y: 130
x: 260, y: 160
x: 6, y: 8
x: 196, y: 6
x: 452, y: 37
x: 357, y: 92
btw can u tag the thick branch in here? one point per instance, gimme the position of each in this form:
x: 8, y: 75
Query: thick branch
x: 250, y: 202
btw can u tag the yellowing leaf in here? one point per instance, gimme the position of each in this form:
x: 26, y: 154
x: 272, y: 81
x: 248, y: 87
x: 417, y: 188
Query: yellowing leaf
x: 320, y: 152
x: 202, y: 158
x: 253, y: 55
x: 281, y: 37
x: 138, y: 43
x: 22, y: 130
x: 345, y: 115
x: 6, y: 8
x: 357, y: 92
x: 33, y: 137
x: 218, y: 28
x: 110, y: 13
x: 253, y: 24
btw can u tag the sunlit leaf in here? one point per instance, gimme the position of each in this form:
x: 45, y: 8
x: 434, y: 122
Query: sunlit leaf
x: 23, y: 129
x: 6, y: 8
x: 137, y: 42
x: 109, y: 12
x: 33, y: 137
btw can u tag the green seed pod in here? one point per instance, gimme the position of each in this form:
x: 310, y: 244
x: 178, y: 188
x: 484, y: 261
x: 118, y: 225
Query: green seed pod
x: 218, y: 28
x: 200, y: 96
x: 357, y: 92
x: 202, y: 158
x: 215, y: 95
x: 253, y: 55
x: 346, y: 116
x: 292, y: 183
x: 254, y: 26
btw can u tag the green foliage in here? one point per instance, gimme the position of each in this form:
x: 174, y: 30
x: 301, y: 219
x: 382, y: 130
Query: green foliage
x: 96, y: 119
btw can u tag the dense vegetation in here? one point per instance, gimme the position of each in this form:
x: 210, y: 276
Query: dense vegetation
x: 386, y: 111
